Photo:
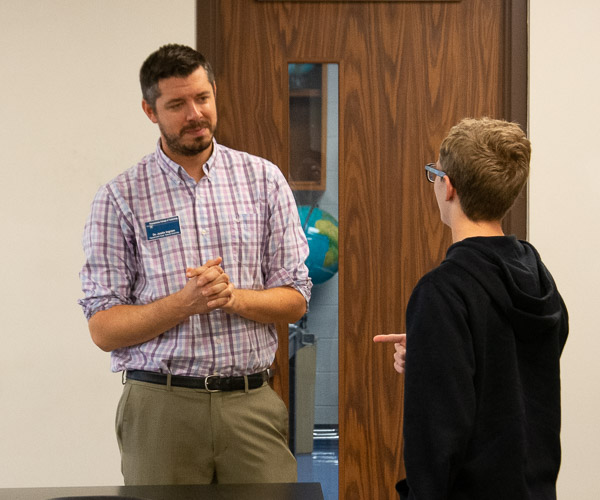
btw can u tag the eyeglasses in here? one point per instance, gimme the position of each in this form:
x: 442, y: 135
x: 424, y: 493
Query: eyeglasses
x: 431, y: 172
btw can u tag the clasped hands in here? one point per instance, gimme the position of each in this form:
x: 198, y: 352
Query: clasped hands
x: 208, y: 287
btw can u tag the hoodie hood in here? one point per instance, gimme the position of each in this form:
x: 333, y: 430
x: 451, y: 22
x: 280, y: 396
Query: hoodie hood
x: 516, y: 279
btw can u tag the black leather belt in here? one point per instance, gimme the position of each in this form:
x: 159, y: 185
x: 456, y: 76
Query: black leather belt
x: 212, y: 383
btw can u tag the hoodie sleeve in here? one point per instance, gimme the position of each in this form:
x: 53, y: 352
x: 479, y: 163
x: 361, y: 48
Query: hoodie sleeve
x: 440, y: 403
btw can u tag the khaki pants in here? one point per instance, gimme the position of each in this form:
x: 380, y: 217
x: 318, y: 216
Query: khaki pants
x: 175, y: 435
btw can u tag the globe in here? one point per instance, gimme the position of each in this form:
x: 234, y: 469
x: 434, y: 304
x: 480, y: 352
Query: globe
x: 321, y: 230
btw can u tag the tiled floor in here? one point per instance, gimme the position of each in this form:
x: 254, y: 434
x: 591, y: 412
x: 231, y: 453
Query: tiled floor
x: 321, y: 466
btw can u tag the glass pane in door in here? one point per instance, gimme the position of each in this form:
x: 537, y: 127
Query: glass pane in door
x: 313, y: 341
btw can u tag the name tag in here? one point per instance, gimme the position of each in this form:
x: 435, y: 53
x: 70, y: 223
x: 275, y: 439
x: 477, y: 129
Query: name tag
x: 162, y: 228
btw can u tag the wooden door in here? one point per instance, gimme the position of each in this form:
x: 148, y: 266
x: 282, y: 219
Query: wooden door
x: 408, y: 72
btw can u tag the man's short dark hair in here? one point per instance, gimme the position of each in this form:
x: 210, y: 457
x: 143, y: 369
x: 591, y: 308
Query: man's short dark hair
x: 168, y: 61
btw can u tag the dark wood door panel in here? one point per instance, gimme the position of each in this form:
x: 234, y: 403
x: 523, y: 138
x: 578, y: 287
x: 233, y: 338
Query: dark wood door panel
x: 408, y: 72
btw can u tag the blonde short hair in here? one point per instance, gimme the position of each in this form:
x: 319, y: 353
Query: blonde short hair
x: 487, y: 162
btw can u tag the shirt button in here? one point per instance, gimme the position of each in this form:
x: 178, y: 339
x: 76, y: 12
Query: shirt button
x: 204, y: 232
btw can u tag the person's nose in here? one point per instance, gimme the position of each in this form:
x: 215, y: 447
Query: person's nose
x: 194, y: 111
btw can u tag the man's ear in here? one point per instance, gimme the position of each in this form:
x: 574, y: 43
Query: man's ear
x: 450, y: 191
x: 149, y: 110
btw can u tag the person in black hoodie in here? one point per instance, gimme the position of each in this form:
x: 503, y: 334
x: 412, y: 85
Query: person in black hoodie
x: 485, y: 331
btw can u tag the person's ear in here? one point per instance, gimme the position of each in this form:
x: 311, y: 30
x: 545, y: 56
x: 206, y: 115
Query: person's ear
x: 450, y: 191
x: 149, y: 110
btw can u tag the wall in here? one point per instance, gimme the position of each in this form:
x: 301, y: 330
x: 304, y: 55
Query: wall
x: 563, y: 213
x: 71, y: 120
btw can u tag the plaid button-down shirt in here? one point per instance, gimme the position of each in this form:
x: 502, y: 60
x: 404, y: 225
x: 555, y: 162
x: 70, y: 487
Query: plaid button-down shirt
x: 151, y: 222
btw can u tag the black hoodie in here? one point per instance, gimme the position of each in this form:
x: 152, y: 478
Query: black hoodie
x: 485, y: 331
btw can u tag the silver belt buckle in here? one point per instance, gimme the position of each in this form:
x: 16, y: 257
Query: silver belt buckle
x: 206, y: 383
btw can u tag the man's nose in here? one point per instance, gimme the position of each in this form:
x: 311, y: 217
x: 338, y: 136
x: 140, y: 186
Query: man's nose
x: 194, y: 111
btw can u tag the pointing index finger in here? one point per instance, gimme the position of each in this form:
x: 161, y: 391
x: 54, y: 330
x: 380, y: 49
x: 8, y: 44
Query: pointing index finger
x: 396, y: 338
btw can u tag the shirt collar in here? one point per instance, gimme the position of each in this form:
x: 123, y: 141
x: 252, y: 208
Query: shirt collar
x: 175, y: 168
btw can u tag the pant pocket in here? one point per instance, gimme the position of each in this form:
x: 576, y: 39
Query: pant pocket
x: 120, y: 416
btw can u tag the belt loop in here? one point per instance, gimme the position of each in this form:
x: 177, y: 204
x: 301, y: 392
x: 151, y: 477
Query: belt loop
x: 169, y: 375
x: 123, y: 377
x: 245, y: 383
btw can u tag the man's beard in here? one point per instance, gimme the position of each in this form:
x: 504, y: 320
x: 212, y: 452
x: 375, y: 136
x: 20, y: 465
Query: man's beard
x: 200, y: 144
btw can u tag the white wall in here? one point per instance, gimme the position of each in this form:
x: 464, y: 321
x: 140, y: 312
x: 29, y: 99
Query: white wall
x: 564, y: 207
x: 71, y: 120
x: 69, y: 123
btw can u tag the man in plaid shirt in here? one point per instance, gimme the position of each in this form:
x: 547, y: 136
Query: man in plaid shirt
x: 192, y: 255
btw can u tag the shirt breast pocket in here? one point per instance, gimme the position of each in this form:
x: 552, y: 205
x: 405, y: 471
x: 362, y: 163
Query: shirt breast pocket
x: 164, y: 263
x: 247, y: 238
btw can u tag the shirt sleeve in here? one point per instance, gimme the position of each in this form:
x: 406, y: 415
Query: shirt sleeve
x: 109, y: 269
x: 439, y: 399
x: 287, y: 247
